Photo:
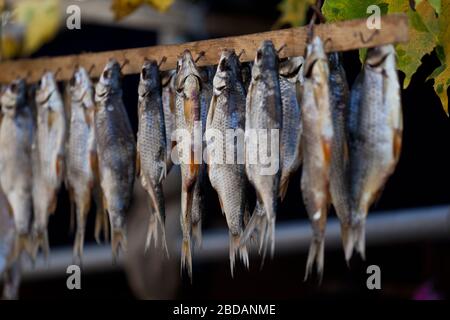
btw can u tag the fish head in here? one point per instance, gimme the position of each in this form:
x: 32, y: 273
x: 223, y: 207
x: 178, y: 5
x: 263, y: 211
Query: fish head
x: 227, y: 71
x: 150, y: 80
x: 110, y: 79
x: 378, y: 57
x: 266, y: 59
x: 292, y: 68
x: 46, y: 86
x: 81, y: 88
x: 314, y: 53
x: 14, y: 96
x: 185, y: 68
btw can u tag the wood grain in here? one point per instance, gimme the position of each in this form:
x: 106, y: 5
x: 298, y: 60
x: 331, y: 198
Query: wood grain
x: 340, y: 36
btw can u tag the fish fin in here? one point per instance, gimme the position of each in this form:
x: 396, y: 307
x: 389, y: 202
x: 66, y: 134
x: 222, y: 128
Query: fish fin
x: 93, y: 162
x: 326, y: 147
x: 348, y: 241
x: 138, y: 163
x: 257, y: 224
x: 315, y: 255
x: 397, y: 144
x: 284, y: 183
x: 197, y: 234
x: 59, y: 165
x: 82, y: 213
x: 359, y: 230
x: 163, y: 174
x: 72, y: 208
x: 211, y: 111
x: 235, y: 248
x: 40, y: 241
x: 157, y: 199
x: 101, y: 223
x: 118, y: 241
x: 186, y: 257
x: 152, y: 232
x: 22, y: 243
x: 50, y: 118
x: 53, y: 203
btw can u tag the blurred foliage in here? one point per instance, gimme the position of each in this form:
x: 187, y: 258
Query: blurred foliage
x: 29, y: 24
x: 429, y: 30
x: 123, y: 8
x: 293, y: 12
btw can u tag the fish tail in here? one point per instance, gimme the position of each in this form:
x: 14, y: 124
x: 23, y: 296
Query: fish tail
x: 256, y: 224
x: 270, y: 206
x: 118, y: 241
x: 360, y: 238
x: 40, y: 241
x: 101, y: 218
x: 152, y: 231
x: 197, y: 233
x: 348, y: 241
x: 22, y: 243
x: 316, y: 254
x: 82, y: 212
x: 186, y: 257
x: 235, y: 248
x: 157, y: 197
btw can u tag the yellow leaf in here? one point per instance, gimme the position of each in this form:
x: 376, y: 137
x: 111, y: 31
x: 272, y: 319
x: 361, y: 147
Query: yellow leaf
x: 123, y: 8
x: 160, y: 5
x: 41, y: 20
x: 293, y: 12
x: 12, y: 39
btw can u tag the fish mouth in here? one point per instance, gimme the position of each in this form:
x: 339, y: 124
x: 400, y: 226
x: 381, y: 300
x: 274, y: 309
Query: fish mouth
x: 378, y: 62
x: 47, y: 98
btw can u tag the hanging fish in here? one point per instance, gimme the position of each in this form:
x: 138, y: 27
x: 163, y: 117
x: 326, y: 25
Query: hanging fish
x: 48, y: 156
x: 198, y: 201
x: 7, y: 232
x: 151, y: 147
x: 189, y: 142
x: 316, y: 144
x: 16, y: 176
x: 116, y: 151
x: 227, y: 113
x: 375, y: 132
x: 168, y: 101
x: 339, y: 175
x: 81, y: 148
x: 264, y: 114
x: 291, y: 80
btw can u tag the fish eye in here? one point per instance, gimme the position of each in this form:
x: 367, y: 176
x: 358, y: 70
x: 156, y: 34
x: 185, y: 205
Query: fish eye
x: 73, y: 81
x: 107, y: 74
x: 144, y: 74
x: 14, y: 87
x: 258, y: 55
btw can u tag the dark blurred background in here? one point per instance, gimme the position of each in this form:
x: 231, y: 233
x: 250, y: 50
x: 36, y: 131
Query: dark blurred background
x: 422, y: 179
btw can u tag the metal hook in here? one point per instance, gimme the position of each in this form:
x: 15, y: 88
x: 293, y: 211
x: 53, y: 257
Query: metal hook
x: 91, y: 69
x: 240, y: 54
x: 200, y: 55
x: 281, y: 48
x: 327, y: 41
x: 365, y: 41
x: 57, y: 71
x: 125, y: 62
x: 163, y: 60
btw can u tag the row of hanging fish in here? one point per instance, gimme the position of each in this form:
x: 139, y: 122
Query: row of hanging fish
x: 347, y: 142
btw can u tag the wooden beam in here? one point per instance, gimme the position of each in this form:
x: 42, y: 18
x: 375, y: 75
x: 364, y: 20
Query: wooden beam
x: 341, y: 36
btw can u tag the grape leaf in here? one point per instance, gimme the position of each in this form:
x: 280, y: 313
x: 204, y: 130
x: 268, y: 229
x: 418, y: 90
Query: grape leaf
x: 123, y: 8
x: 293, y: 12
x: 422, y: 35
x: 339, y: 10
x: 441, y: 75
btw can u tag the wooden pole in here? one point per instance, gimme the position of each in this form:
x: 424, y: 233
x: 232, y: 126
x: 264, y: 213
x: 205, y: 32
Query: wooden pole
x: 340, y: 36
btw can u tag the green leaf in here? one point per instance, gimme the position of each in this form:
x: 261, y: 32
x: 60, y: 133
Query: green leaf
x: 338, y: 10
x: 441, y: 75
